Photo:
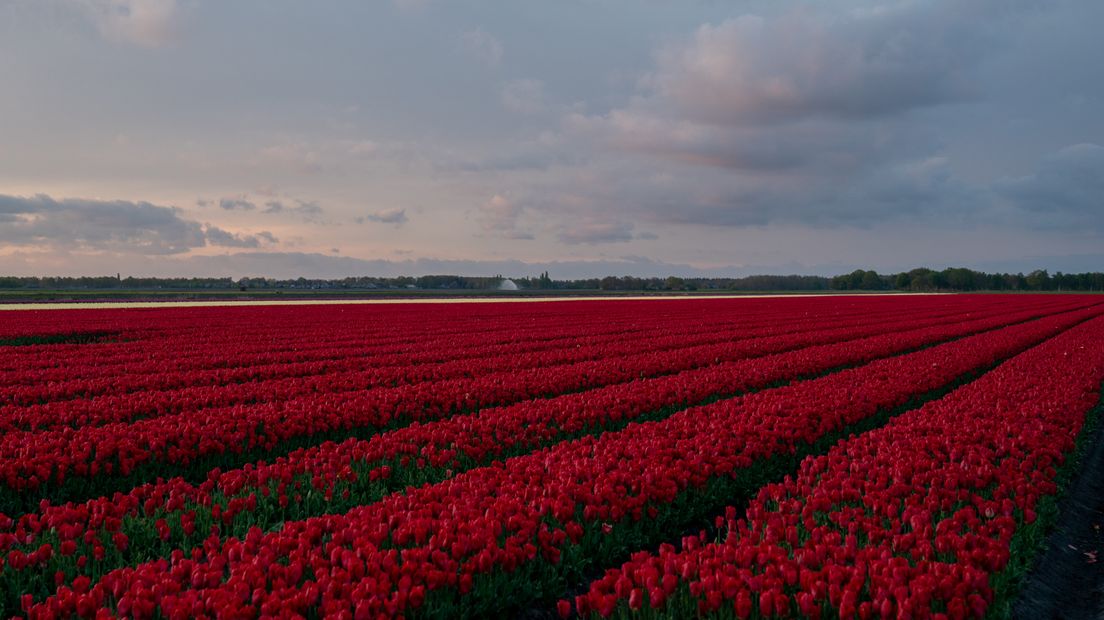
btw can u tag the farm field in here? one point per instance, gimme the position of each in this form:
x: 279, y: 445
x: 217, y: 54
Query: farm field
x: 824, y: 456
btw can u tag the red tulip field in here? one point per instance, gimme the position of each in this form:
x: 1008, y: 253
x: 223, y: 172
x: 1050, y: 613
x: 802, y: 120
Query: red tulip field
x: 821, y: 457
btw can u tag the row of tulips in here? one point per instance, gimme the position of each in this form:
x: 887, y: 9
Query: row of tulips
x: 175, y: 352
x: 90, y: 461
x: 232, y: 338
x: 164, y: 334
x: 493, y: 538
x: 251, y: 319
x: 128, y: 397
x: 220, y: 365
x: 166, y: 353
x: 137, y: 396
x: 932, y: 516
x: 147, y: 404
x: 31, y: 324
x: 336, y: 477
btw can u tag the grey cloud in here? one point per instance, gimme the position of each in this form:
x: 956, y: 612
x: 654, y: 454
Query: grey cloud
x: 362, y: 148
x: 732, y: 96
x: 810, y: 145
x: 318, y: 265
x: 1066, y: 190
x: 410, y: 5
x: 309, y: 211
x: 117, y: 226
x: 528, y: 158
x: 219, y: 237
x: 827, y: 115
x: 298, y: 157
x: 831, y: 99
x: 848, y: 65
x: 595, y: 231
x: 387, y: 216
x: 97, y: 224
x: 924, y: 188
x: 813, y: 132
x: 915, y: 189
x: 236, y: 204
x: 738, y: 207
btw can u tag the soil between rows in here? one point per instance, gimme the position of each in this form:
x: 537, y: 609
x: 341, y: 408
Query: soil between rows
x: 63, y: 338
x: 1067, y: 579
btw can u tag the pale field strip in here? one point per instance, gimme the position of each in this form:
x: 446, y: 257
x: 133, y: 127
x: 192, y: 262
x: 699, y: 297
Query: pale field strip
x: 91, y: 305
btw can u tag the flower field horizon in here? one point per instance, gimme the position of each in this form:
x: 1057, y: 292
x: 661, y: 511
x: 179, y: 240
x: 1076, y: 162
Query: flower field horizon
x: 869, y: 456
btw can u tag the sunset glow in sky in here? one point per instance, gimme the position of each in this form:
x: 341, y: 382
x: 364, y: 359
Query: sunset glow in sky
x: 586, y: 137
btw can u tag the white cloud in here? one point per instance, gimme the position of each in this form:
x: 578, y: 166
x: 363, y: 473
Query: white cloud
x: 499, y: 216
x: 483, y: 46
x: 363, y: 148
x: 149, y: 23
x: 523, y: 96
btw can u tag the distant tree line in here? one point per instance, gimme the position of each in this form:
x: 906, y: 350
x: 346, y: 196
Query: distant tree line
x: 247, y: 283
x: 113, y: 282
x: 961, y: 279
x: 749, y: 283
x: 922, y: 279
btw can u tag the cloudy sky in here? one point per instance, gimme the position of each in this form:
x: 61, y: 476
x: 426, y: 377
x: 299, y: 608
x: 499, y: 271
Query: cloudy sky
x: 587, y: 137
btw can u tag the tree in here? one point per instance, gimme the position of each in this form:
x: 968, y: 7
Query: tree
x: 871, y: 281
x: 1038, y: 280
x: 920, y: 279
x: 959, y: 279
